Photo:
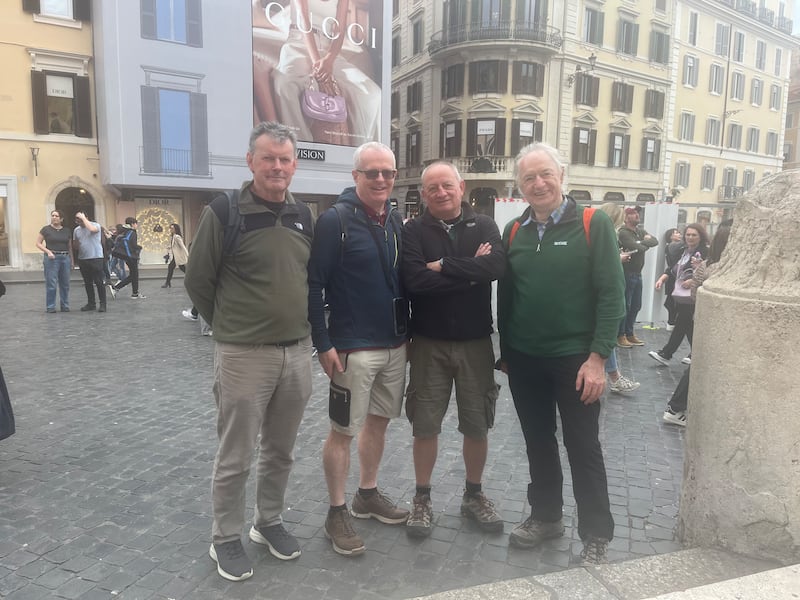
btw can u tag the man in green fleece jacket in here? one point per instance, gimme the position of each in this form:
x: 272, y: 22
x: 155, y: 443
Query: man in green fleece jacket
x: 256, y: 300
x: 559, y: 306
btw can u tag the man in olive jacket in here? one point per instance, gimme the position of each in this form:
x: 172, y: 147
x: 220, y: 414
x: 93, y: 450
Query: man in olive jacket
x: 257, y: 303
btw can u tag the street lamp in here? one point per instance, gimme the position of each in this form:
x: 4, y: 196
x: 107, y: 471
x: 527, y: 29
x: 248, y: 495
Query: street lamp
x: 572, y: 76
x: 35, y: 157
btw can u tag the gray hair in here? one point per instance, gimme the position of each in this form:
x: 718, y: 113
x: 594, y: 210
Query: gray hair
x: 551, y: 152
x: 442, y: 162
x: 276, y: 131
x: 371, y: 146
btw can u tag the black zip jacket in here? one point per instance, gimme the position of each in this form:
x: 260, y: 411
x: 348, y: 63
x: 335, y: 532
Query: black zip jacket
x: 455, y: 304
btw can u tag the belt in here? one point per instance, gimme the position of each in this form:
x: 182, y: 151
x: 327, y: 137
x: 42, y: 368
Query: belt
x: 286, y: 344
x: 61, y: 252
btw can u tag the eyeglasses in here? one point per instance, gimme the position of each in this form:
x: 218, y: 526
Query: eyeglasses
x: 373, y: 173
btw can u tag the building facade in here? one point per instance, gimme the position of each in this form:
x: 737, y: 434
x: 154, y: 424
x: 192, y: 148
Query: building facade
x: 48, y: 137
x: 603, y: 81
x: 143, y: 108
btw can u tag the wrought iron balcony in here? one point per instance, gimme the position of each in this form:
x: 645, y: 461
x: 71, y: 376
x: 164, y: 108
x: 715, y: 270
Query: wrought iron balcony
x: 172, y: 161
x: 766, y: 15
x: 784, y: 24
x: 730, y: 193
x: 544, y: 35
x: 747, y: 7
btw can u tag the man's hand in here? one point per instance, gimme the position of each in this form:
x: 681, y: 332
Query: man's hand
x: 434, y: 266
x: 330, y: 362
x: 484, y: 249
x: 592, y: 378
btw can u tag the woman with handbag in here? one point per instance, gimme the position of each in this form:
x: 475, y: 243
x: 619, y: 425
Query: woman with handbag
x: 695, y: 241
x: 323, y: 56
x: 177, y: 254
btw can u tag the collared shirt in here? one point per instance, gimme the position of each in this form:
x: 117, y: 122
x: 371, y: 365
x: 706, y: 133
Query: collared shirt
x: 553, y: 219
x: 374, y: 216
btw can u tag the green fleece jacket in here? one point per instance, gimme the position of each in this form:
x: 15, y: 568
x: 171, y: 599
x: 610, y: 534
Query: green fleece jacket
x: 260, y: 295
x: 561, y: 296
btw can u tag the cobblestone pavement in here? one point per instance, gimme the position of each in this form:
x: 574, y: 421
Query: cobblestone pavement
x: 104, y: 489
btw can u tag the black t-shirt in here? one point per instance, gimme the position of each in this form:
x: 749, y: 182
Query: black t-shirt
x: 56, y: 240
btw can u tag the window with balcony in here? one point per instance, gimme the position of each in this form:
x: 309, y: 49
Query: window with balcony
x: 654, y: 104
x: 737, y: 85
x: 528, y: 78
x: 707, y: 177
x: 593, y: 26
x: 722, y: 40
x: 61, y: 103
x: 72, y: 10
x: 584, y: 142
x: 627, y: 37
x: 716, y: 79
x: 778, y: 62
x: 686, y: 130
x: 729, y: 177
x: 532, y: 14
x: 414, y: 97
x: 692, y: 37
x: 713, y: 131
x: 651, y: 153
x: 775, y: 97
x: 690, y: 67
x: 524, y: 132
x: 738, y: 47
x: 587, y: 89
x: 772, y: 143
x: 174, y: 131
x: 682, y: 170
x: 756, y: 91
x: 618, y: 150
x: 454, y: 18
x: 622, y: 97
x: 748, y: 179
x: 491, y: 15
x: 413, y: 149
x: 488, y: 76
x: 453, y: 81
x: 752, y: 139
x: 417, y: 42
x: 734, y: 136
x: 486, y: 137
x: 659, y: 47
x: 761, y: 55
x: 450, y: 139
x: 176, y: 21
x: 395, y: 105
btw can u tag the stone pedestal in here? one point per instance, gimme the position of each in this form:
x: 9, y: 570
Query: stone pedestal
x: 741, y: 488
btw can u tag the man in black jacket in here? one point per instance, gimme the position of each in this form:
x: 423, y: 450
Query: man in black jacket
x: 450, y: 257
x: 126, y: 247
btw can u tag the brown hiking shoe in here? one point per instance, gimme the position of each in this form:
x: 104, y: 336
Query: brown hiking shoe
x: 622, y: 342
x: 634, y: 341
x: 481, y: 510
x: 595, y: 551
x: 378, y: 507
x: 339, y: 530
x: 419, y: 521
x: 532, y: 532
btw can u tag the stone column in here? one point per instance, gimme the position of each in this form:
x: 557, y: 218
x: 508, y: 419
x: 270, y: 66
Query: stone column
x: 741, y: 482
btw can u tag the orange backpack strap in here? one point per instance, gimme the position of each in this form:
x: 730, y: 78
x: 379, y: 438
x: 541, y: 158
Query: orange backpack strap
x: 513, y: 232
x: 588, y: 212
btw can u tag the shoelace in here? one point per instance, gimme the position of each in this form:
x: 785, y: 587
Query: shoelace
x: 420, y: 513
x: 485, y: 506
x: 347, y: 525
x: 594, y: 551
x: 232, y: 550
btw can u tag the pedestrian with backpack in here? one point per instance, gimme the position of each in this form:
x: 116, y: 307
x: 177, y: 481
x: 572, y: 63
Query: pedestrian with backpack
x: 253, y: 290
x: 126, y: 247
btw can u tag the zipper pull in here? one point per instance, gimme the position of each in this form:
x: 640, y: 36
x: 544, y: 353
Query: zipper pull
x: 538, y: 247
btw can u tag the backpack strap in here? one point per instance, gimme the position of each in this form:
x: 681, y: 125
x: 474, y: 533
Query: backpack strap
x: 226, y: 207
x: 513, y: 232
x: 338, y: 209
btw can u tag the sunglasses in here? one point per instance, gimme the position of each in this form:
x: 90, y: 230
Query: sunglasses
x: 373, y: 173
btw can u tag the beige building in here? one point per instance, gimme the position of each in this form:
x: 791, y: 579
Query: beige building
x: 602, y: 81
x: 791, y: 143
x: 48, y: 146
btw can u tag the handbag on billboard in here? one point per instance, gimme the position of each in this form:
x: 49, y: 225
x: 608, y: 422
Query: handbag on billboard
x: 326, y: 111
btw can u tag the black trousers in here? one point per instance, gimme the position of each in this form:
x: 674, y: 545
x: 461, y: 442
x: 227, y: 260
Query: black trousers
x: 680, y: 397
x: 92, y: 273
x: 133, y: 275
x: 171, y: 270
x: 684, y: 326
x: 538, y: 385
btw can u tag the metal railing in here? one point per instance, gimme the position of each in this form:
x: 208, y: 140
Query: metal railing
x: 730, y: 192
x: 498, y: 30
x: 171, y: 161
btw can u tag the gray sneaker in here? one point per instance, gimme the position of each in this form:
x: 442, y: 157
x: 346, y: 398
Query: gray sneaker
x: 232, y: 561
x: 419, y: 521
x: 532, y: 532
x: 280, y: 542
x: 378, y: 507
x: 594, y: 551
x: 481, y: 510
x: 339, y: 530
